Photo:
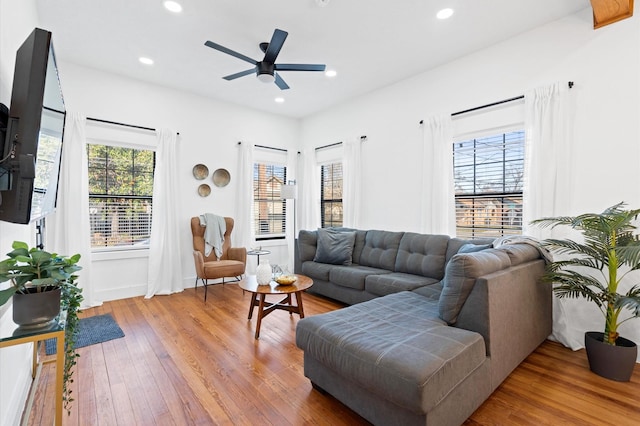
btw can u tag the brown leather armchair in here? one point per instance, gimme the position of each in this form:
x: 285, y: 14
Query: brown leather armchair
x: 232, y: 263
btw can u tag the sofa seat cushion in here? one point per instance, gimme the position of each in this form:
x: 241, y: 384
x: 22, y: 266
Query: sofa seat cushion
x: 353, y: 276
x: 394, y: 346
x: 318, y: 271
x: 395, y: 282
x: 224, y: 268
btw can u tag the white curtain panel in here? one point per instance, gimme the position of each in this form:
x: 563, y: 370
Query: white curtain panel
x: 548, y: 149
x: 351, y: 183
x: 437, y: 195
x: 165, y: 260
x: 547, y: 192
x: 243, y: 234
x: 69, y: 231
x: 309, y: 191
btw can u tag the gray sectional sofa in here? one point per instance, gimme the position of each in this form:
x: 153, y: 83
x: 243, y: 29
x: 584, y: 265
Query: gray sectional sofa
x: 435, y: 323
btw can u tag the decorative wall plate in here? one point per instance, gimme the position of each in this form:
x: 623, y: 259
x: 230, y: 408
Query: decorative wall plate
x: 204, y: 190
x: 200, y: 171
x: 221, y: 177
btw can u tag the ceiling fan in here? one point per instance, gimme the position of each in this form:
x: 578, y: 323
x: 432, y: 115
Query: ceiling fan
x: 266, y: 68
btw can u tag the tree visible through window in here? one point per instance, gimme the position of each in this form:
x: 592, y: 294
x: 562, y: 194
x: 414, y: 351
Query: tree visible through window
x: 270, y: 211
x: 120, y: 195
x: 488, y: 176
x: 331, y: 195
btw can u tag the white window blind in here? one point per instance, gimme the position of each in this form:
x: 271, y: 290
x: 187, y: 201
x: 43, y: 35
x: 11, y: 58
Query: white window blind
x: 270, y: 211
x: 120, y: 196
x: 488, y: 176
x: 331, y: 195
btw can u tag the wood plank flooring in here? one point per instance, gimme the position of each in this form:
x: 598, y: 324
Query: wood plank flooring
x: 186, y: 362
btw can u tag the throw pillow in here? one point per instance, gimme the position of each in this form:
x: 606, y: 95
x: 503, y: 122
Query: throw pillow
x: 335, y: 248
x: 472, y: 248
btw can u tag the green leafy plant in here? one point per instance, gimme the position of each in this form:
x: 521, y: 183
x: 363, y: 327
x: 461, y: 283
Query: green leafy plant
x: 594, y: 268
x: 32, y: 268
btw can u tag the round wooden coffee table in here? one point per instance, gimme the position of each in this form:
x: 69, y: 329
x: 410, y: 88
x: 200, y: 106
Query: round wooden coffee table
x: 250, y: 284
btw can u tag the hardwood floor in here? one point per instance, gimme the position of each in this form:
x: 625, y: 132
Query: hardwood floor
x: 186, y: 362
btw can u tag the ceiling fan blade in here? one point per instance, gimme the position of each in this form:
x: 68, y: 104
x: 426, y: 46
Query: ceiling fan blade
x: 223, y: 49
x: 300, y: 67
x: 277, y: 40
x: 240, y: 74
x: 280, y: 82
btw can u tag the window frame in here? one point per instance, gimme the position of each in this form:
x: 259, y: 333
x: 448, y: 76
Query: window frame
x: 324, y: 223
x: 272, y: 199
x: 115, y: 145
x: 509, y: 221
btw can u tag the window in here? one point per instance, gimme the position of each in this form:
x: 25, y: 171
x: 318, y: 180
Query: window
x: 270, y: 211
x: 331, y: 195
x: 120, y: 196
x: 488, y: 176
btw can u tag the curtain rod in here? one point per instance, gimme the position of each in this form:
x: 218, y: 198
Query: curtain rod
x: 268, y: 147
x: 133, y: 126
x: 362, y: 139
x: 570, y: 84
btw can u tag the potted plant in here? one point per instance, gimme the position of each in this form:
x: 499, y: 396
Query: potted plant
x: 593, y: 269
x: 41, y: 283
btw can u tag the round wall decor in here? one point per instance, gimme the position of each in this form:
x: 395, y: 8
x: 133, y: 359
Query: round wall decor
x: 200, y: 171
x: 204, y: 190
x: 221, y: 177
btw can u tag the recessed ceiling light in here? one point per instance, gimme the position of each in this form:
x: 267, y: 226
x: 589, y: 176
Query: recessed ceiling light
x: 279, y: 100
x: 331, y: 73
x: 172, y: 6
x: 445, y: 13
x: 146, y: 61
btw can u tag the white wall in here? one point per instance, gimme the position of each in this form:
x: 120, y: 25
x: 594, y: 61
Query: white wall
x: 604, y: 65
x: 17, y: 20
x: 209, y: 133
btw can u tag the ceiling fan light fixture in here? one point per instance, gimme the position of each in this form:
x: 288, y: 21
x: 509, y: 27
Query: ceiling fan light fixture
x: 445, y: 13
x: 266, y: 78
x: 279, y: 100
x: 172, y: 6
x: 330, y: 73
x: 145, y: 60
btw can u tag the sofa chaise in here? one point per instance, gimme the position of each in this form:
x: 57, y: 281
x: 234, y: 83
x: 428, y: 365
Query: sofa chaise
x: 435, y: 323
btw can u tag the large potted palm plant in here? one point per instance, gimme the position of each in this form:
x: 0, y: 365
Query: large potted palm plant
x: 593, y: 269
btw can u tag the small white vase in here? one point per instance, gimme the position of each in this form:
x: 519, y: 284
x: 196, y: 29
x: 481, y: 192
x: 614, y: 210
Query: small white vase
x: 263, y: 272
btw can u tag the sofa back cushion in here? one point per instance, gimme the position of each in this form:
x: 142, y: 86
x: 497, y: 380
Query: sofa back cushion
x: 307, y: 242
x: 380, y: 249
x: 460, y: 276
x: 422, y: 254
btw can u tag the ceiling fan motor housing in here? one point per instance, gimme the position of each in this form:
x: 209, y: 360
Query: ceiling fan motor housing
x: 265, y: 71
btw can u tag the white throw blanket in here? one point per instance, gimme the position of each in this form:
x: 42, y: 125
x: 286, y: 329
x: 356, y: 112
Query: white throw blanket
x: 513, y: 239
x: 214, y: 233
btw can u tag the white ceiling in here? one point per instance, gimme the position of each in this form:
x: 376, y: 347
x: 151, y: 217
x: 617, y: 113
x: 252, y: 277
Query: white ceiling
x: 370, y: 43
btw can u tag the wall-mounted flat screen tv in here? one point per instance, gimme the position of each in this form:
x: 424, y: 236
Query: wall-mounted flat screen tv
x: 30, y: 157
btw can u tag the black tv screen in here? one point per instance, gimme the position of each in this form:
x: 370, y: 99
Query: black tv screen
x: 33, y: 142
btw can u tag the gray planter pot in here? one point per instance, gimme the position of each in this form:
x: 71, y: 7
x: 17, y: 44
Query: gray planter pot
x: 611, y: 362
x: 36, y: 310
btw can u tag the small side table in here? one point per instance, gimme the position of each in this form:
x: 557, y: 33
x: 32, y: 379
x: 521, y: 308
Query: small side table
x: 258, y: 253
x: 250, y: 284
x: 18, y: 336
